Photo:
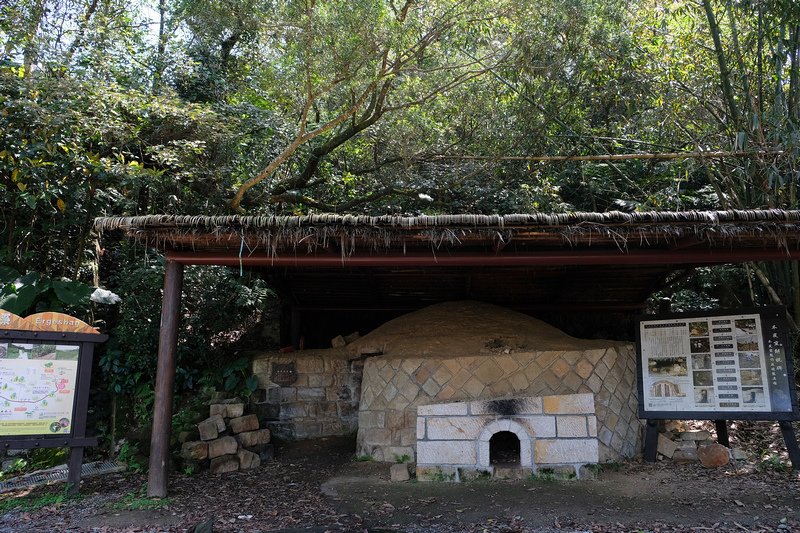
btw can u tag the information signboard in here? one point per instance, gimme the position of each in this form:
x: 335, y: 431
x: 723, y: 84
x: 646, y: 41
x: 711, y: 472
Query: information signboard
x: 718, y: 365
x: 37, y: 387
x: 45, y: 372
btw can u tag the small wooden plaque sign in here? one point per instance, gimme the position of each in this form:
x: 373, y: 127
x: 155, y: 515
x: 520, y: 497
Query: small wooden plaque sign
x: 283, y: 374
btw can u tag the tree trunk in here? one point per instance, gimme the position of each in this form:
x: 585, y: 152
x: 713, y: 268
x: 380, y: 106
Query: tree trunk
x: 724, y: 70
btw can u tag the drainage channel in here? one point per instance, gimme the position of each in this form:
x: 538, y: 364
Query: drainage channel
x: 59, y: 473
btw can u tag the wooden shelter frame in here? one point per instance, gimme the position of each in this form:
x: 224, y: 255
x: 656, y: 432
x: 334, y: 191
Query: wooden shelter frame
x: 679, y: 241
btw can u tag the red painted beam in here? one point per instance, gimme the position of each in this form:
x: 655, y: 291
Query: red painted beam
x: 561, y: 258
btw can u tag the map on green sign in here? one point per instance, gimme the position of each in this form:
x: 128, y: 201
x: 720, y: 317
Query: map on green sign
x: 37, y: 388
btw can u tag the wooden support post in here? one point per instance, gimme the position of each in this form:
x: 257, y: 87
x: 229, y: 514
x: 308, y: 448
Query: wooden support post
x: 165, y: 380
x: 74, y: 473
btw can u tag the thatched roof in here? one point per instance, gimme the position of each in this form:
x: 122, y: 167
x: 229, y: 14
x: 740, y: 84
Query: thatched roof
x: 605, y: 261
x: 273, y: 234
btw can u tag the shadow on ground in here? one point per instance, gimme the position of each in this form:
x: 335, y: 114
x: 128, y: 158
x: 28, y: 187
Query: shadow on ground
x: 316, y: 486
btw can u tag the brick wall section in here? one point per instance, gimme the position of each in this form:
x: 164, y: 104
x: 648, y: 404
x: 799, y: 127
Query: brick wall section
x: 393, y: 389
x: 553, y: 431
x: 323, y: 401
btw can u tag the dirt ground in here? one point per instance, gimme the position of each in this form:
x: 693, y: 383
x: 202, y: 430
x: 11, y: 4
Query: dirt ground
x: 317, y: 486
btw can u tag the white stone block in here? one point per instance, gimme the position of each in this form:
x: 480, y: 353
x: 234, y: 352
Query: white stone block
x: 592, y: 422
x: 526, y: 453
x: 560, y: 451
x: 540, y: 427
x: 421, y: 427
x: 484, y: 450
x: 569, y: 404
x: 571, y: 427
x: 443, y: 409
x: 443, y: 452
x: 504, y: 425
x: 455, y: 428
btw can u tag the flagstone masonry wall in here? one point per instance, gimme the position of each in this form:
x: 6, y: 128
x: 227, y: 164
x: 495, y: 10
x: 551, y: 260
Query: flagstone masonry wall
x: 323, y: 400
x: 394, y: 387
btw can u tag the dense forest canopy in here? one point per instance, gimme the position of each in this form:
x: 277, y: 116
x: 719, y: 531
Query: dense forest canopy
x: 375, y: 106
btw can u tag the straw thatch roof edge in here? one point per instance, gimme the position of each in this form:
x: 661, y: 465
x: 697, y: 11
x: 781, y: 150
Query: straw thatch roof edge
x: 427, y: 221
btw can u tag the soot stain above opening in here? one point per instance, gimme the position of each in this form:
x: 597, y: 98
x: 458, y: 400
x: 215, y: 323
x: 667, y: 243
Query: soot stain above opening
x: 508, y: 407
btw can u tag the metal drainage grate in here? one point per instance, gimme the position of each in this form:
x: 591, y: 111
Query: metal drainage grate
x: 59, y: 473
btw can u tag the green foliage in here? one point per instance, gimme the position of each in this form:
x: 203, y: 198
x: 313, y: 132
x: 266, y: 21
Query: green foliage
x: 236, y: 372
x: 35, y: 293
x: 137, y: 501
x: 363, y: 458
x: 401, y: 459
x: 130, y: 455
x: 546, y: 475
x: 16, y: 467
x: 36, y: 501
x: 771, y: 461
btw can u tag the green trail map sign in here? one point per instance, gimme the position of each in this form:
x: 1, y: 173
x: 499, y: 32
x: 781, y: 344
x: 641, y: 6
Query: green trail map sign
x: 37, y: 394
x: 45, y: 366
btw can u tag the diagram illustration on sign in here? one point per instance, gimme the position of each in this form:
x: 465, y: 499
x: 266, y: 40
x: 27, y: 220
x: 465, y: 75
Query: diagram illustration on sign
x: 37, y: 388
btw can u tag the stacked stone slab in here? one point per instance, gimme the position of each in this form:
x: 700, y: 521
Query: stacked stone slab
x: 228, y: 441
x: 691, y: 446
x: 394, y: 387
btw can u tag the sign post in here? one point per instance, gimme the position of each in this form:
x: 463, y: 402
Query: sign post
x: 717, y: 365
x: 45, y: 374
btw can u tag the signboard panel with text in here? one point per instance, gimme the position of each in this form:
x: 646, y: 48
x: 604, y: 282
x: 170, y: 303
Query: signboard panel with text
x: 716, y: 365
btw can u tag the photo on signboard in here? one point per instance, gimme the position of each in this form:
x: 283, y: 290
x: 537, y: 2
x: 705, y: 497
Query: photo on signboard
x: 701, y: 361
x: 666, y: 389
x: 703, y: 395
x: 43, y: 351
x: 749, y: 360
x: 702, y: 378
x: 751, y: 377
x: 66, y: 352
x: 668, y: 366
x: 747, y: 343
x: 698, y: 329
x: 746, y: 326
x: 19, y: 350
x: 700, y: 345
x: 753, y: 395
x: 3, y: 350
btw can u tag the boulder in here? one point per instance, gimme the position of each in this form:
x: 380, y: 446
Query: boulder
x: 713, y: 456
x: 248, y: 439
x: 399, y: 472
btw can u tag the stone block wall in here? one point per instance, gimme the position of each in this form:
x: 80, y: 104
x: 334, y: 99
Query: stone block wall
x: 322, y: 401
x: 394, y: 387
x: 553, y: 432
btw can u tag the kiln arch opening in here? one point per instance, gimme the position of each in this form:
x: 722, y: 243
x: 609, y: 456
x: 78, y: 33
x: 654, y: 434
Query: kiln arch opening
x: 504, y: 449
x: 508, y: 430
